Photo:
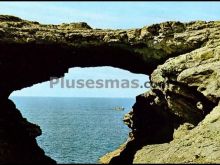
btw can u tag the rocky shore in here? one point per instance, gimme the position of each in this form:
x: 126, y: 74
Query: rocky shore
x: 176, y: 121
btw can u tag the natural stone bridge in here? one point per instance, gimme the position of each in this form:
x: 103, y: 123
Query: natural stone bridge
x: 31, y: 53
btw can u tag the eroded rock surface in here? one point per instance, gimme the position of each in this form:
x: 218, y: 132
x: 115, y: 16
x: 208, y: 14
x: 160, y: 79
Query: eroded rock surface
x: 26, y: 44
x: 172, y: 118
x: 185, y: 100
x: 190, y: 145
x: 193, y: 81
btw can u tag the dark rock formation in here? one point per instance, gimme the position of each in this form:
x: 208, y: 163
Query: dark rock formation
x: 182, y: 60
x: 17, y: 137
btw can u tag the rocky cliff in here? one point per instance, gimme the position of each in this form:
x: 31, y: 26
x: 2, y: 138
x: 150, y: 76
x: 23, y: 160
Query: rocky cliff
x: 17, y: 138
x: 177, y: 120
x: 179, y: 113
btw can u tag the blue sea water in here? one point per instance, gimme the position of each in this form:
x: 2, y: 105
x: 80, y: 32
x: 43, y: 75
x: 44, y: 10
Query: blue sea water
x: 77, y: 130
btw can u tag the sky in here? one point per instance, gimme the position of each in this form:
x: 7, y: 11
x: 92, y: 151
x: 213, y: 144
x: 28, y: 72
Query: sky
x: 112, y: 14
x: 87, y: 74
x: 106, y: 15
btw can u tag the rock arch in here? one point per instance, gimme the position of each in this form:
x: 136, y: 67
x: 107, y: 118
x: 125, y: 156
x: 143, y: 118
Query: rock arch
x: 31, y: 53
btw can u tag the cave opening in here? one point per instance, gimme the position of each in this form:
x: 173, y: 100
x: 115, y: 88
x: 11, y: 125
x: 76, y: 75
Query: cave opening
x: 81, y: 124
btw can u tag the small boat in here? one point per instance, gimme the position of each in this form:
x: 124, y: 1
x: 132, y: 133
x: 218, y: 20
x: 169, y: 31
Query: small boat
x: 119, y: 108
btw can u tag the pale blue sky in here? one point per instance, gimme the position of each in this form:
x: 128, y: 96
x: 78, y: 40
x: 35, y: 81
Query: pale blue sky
x: 94, y: 73
x: 114, y: 15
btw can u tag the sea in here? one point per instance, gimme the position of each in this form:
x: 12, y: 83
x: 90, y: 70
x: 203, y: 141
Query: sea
x: 77, y: 130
